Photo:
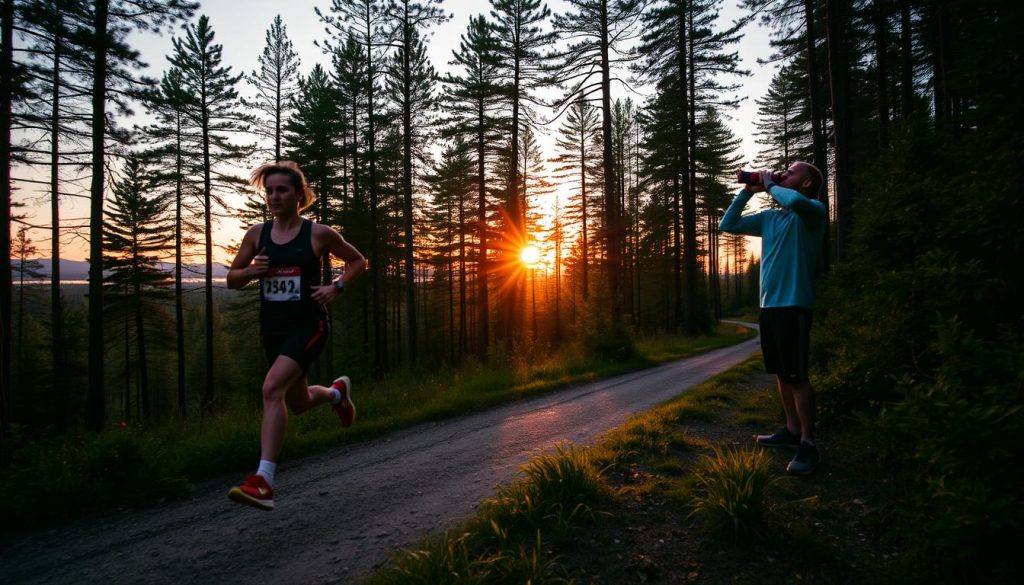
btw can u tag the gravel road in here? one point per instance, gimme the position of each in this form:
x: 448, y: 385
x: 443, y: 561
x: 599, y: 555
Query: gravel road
x: 339, y: 514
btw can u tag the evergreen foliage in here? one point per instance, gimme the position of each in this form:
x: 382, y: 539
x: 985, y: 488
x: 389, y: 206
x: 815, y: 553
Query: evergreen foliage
x: 276, y: 83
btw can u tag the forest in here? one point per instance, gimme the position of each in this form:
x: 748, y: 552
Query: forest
x: 488, y: 243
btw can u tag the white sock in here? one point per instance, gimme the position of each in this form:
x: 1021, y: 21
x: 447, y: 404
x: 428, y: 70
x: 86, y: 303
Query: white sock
x: 336, y: 396
x: 267, y: 469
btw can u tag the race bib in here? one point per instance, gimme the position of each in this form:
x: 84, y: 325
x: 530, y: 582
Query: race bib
x: 283, y: 283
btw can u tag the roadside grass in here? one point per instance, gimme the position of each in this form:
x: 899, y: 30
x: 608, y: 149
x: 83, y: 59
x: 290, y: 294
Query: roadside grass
x: 510, y: 539
x: 57, y: 480
x: 687, y: 498
x: 535, y: 509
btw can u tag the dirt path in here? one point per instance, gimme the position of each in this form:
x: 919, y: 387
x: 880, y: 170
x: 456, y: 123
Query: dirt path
x: 339, y: 514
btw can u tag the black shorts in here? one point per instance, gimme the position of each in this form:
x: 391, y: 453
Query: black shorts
x: 785, y: 342
x: 303, y: 343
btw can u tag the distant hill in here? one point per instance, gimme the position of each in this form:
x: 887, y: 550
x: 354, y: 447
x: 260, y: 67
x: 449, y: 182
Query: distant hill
x: 79, y: 269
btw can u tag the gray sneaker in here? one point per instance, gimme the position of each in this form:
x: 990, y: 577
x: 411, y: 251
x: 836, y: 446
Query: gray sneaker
x: 780, y: 438
x: 805, y: 460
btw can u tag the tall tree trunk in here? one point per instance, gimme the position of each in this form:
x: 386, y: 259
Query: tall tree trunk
x: 140, y: 343
x: 690, y: 273
x: 379, y: 335
x: 940, y: 62
x: 327, y: 271
x: 208, y: 393
x: 482, y: 267
x: 881, y: 70
x: 906, y: 60
x: 677, y: 248
x: 682, y: 180
x: 95, y: 403
x: 613, y: 234
x: 7, y: 69
x: 462, y: 278
x: 585, y: 252
x: 410, y: 270
x: 277, y: 115
x: 819, y: 147
x: 515, y: 235
x: 56, y: 310
x: 179, y: 293
x: 127, y: 411
x: 837, y: 19
x: 636, y: 222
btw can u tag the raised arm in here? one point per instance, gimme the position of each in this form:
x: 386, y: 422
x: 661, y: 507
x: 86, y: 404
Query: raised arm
x: 811, y: 211
x: 734, y: 222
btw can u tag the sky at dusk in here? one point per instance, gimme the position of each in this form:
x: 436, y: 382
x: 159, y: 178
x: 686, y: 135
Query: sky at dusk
x: 240, y: 27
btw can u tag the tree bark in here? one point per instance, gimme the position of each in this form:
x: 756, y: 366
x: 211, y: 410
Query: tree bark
x: 95, y: 399
x: 7, y: 65
x: 906, y: 60
x: 690, y: 273
x: 56, y: 310
x: 613, y: 235
x: 410, y: 270
x: 482, y: 267
x: 837, y: 17
x: 880, y: 21
x: 817, y: 132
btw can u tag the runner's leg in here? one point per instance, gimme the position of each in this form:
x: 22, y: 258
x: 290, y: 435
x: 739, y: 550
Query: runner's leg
x: 283, y: 375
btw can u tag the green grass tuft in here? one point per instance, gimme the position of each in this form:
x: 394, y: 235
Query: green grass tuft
x: 732, y: 489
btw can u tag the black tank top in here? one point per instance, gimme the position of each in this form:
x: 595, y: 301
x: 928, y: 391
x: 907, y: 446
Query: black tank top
x: 285, y: 300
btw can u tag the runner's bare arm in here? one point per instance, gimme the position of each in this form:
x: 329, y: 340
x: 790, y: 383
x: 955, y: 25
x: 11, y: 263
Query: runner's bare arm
x: 330, y: 241
x: 248, y: 264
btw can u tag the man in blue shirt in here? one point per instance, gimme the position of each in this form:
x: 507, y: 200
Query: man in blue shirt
x: 791, y: 240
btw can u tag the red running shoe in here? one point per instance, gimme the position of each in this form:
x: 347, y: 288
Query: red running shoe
x: 345, y: 410
x: 254, y: 492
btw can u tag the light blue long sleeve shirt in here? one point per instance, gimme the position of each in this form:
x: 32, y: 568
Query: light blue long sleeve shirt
x: 790, y: 242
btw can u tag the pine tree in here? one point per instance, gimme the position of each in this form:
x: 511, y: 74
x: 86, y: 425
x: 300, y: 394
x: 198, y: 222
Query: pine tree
x: 112, y: 61
x: 471, y: 101
x: 577, y: 164
x: 411, y: 80
x: 453, y: 187
x: 215, y: 110
x: 24, y: 250
x: 364, y: 20
x: 7, y: 70
x: 797, y: 28
x: 783, y: 119
x: 524, y: 64
x: 595, y: 30
x: 313, y: 138
x: 172, y: 144
x: 276, y: 83
x: 57, y: 64
x: 137, y: 234
x: 715, y: 156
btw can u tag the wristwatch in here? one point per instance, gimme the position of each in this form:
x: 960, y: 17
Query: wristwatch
x: 339, y: 285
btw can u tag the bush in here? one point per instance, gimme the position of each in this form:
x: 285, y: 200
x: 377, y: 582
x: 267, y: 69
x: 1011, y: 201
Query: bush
x: 915, y: 338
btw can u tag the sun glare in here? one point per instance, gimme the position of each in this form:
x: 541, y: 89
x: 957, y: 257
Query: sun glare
x: 530, y: 255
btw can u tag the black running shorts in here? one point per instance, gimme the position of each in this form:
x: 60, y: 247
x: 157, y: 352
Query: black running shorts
x: 785, y: 342
x: 303, y: 343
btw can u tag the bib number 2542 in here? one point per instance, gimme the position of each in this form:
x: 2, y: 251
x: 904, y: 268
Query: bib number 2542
x: 282, y: 284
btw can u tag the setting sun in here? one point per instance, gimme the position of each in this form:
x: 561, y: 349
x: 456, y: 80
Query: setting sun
x: 530, y: 255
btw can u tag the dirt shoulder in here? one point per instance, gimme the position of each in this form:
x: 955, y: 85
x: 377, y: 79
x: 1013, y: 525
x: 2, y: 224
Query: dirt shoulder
x: 825, y: 528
